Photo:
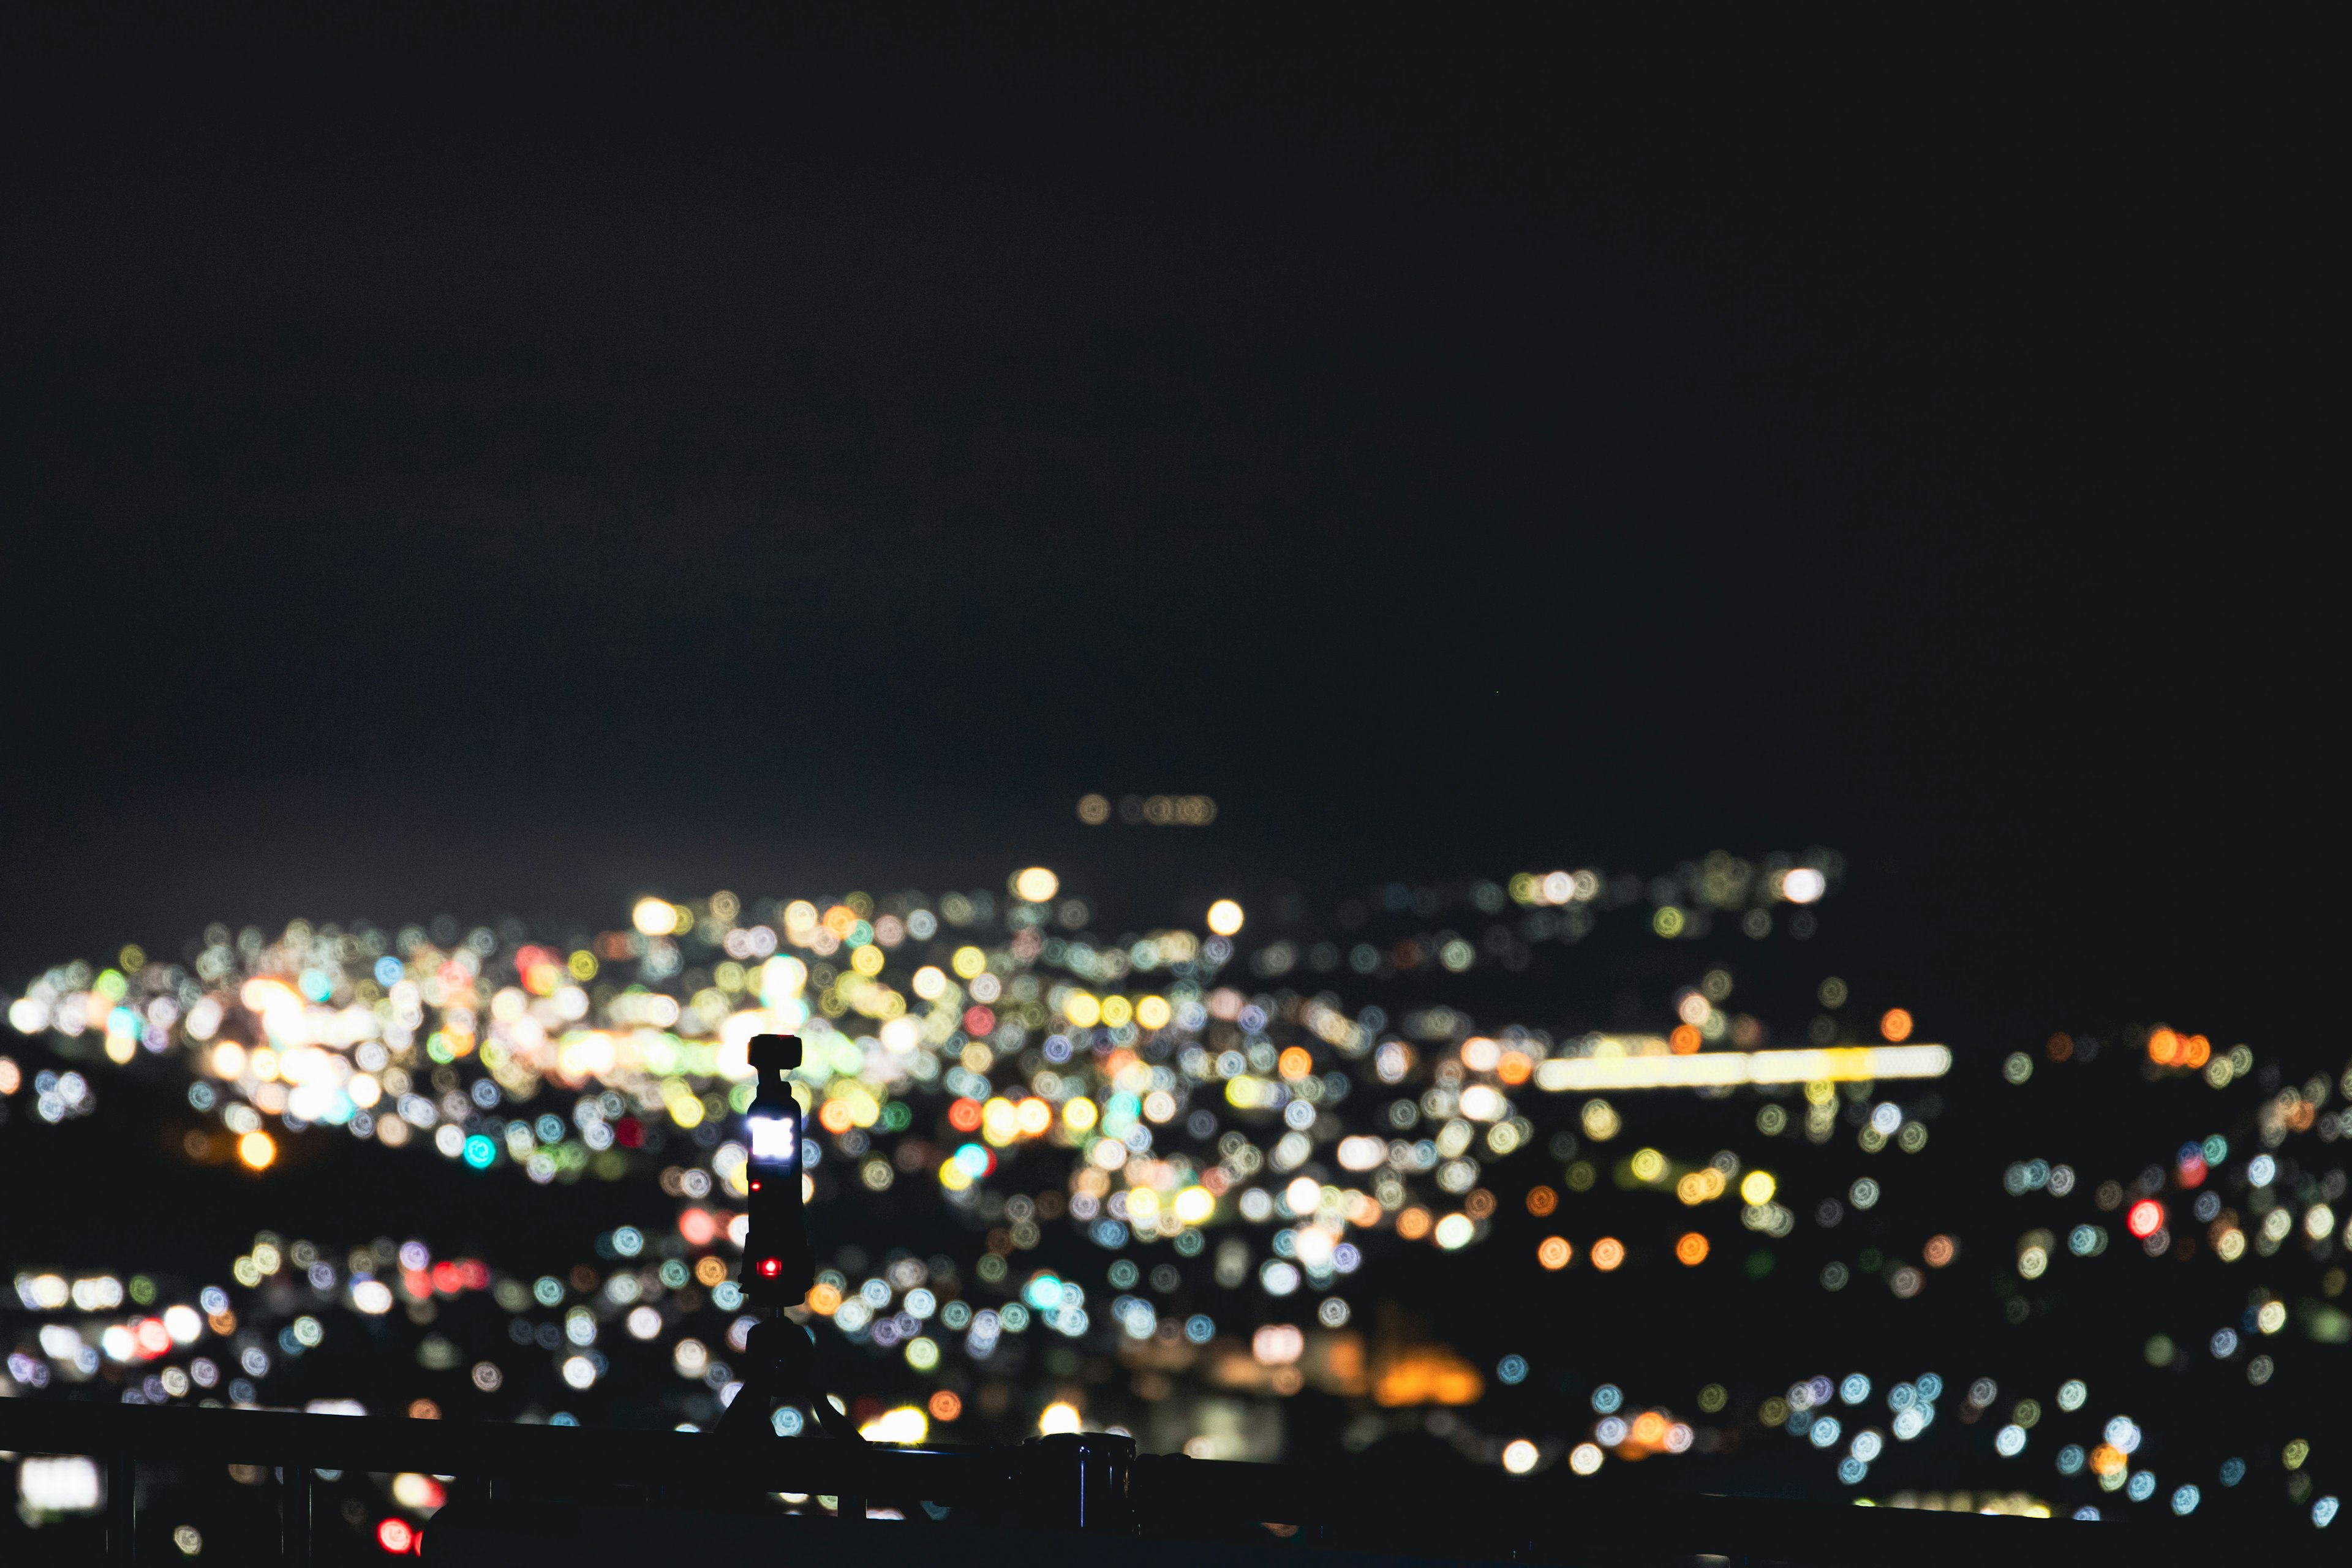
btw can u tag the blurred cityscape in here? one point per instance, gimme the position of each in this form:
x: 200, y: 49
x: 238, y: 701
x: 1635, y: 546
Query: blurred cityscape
x: 1557, y: 1170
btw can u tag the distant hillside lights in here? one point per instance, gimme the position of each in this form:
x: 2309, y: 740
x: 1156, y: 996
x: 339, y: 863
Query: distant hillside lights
x: 1148, y: 810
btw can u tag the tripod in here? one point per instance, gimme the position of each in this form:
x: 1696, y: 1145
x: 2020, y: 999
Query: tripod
x: 780, y: 1362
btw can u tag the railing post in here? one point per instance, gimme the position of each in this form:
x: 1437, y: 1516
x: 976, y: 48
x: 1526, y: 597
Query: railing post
x: 297, y: 1492
x: 1084, y: 1482
x: 121, y: 1505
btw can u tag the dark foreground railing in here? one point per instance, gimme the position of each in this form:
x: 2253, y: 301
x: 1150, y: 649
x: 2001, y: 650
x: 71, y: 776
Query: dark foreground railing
x: 521, y: 1485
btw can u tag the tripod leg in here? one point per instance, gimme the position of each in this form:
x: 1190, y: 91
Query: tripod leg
x: 748, y: 1416
x: 797, y: 1379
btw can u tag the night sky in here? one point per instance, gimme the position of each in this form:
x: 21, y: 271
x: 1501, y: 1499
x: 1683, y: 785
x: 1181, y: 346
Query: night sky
x: 510, y: 465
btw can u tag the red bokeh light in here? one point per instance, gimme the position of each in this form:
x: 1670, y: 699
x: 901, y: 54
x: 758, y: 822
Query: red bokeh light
x: 2146, y: 1218
x: 396, y: 1536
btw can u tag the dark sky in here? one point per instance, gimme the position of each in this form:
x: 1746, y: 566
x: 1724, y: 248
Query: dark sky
x: 512, y: 464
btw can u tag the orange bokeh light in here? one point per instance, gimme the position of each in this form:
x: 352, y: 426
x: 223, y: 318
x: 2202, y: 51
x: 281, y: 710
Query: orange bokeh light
x: 1426, y: 1374
x: 1608, y: 1253
x: 1295, y: 1064
x: 1684, y: 1040
x: 1691, y: 1249
x: 834, y: 1116
x: 1555, y: 1252
x: 1542, y: 1201
x: 1412, y: 1224
x: 945, y: 1407
x: 1896, y: 1025
x: 1939, y: 1250
x: 964, y: 1115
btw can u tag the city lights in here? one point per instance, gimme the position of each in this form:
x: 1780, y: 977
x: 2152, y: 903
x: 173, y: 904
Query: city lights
x: 1192, y: 1165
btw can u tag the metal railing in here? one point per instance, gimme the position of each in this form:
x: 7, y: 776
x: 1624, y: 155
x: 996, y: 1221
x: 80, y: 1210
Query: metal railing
x: 1091, y: 1481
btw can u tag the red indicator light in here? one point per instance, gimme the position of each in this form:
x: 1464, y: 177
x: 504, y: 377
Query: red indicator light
x: 770, y: 1267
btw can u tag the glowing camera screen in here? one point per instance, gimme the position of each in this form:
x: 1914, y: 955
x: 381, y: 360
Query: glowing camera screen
x: 775, y: 1140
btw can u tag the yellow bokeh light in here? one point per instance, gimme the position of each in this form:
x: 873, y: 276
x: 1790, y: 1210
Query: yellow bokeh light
x: 228, y: 1059
x: 1520, y: 1456
x: 929, y: 982
x: 263, y: 995
x: 782, y: 979
x: 257, y: 1150
x: 653, y: 917
x: 1082, y: 1010
x: 1059, y: 1417
x: 1115, y: 1011
x: 1756, y: 1187
x: 1194, y: 1205
x: 1224, y: 917
x: 969, y: 961
x: 1648, y: 1164
x: 1079, y: 1115
x: 908, y: 1424
x: 867, y: 960
x: 1036, y: 884
x: 1152, y: 1012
